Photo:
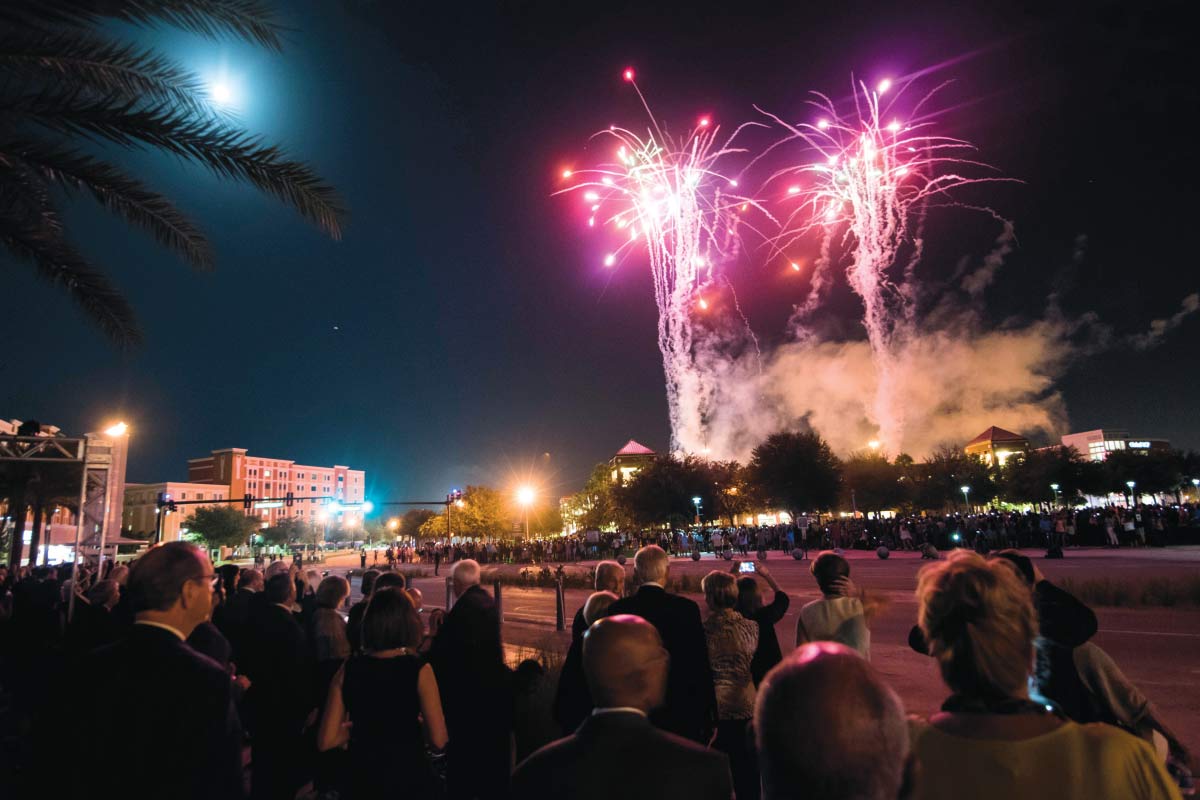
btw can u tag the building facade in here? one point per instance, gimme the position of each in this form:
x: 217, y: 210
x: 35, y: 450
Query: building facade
x: 141, y: 506
x: 995, y: 445
x: 1096, y: 445
x: 261, y: 477
x: 629, y: 461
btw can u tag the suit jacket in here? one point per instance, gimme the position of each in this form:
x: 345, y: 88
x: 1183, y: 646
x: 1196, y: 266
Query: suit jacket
x: 690, y: 709
x: 572, y: 698
x: 175, y: 731
x: 279, y: 666
x: 234, y: 621
x: 579, y: 767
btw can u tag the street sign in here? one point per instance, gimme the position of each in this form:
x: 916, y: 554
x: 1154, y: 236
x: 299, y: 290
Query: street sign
x: 271, y: 504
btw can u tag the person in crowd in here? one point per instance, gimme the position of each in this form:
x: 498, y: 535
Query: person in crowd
x: 627, y: 670
x: 476, y: 693
x: 839, y: 616
x: 280, y: 700
x: 386, y: 738
x: 235, y: 621
x: 354, y: 621
x: 826, y: 725
x: 990, y: 740
x: 691, y: 702
x: 610, y: 577
x: 572, y: 701
x: 94, y: 624
x: 750, y: 605
x: 327, y: 629
x: 732, y: 640
x: 177, y: 720
x: 307, y: 599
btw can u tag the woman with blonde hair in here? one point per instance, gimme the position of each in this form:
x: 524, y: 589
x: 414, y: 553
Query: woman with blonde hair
x: 990, y: 740
x: 732, y: 640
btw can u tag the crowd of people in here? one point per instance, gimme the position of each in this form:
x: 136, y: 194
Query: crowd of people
x: 1111, y: 526
x: 227, y: 682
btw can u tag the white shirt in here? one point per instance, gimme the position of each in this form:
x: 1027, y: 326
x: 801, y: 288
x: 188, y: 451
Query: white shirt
x: 618, y: 710
x: 150, y: 624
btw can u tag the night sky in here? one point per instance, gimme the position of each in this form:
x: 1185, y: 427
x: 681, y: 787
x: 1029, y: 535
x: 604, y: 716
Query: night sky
x: 463, y: 329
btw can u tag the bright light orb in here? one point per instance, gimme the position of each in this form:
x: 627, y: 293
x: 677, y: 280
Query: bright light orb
x: 566, y: 173
x: 823, y: 124
x: 117, y: 430
x: 628, y: 74
x: 526, y: 495
x: 704, y: 121
x: 884, y: 85
x: 894, y: 126
x: 222, y: 93
x: 609, y: 260
x: 795, y: 266
x: 703, y: 304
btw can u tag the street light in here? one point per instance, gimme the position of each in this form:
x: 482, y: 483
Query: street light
x: 1196, y: 488
x: 526, y: 496
x: 119, y: 429
x: 1054, y: 486
x: 1131, y: 484
x: 696, y: 503
x: 966, y: 490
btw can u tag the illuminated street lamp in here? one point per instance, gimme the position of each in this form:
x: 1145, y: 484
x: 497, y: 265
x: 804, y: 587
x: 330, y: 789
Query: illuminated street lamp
x: 393, y: 524
x: 525, y: 497
x: 966, y: 490
x: 1131, y: 484
x: 1196, y: 488
x: 696, y: 503
x: 1054, y: 486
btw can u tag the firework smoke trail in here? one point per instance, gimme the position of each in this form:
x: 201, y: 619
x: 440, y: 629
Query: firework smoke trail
x: 872, y: 175
x: 668, y: 196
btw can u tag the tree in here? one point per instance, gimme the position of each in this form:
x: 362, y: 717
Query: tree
x: 220, y: 526
x: 937, y: 483
x: 662, y: 492
x: 68, y: 85
x: 732, y: 493
x: 871, y: 483
x: 411, y: 522
x: 795, y: 471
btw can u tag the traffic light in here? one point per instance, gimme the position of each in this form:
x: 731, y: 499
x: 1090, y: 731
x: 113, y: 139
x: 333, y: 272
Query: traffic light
x: 288, y: 500
x: 162, y: 499
x: 247, y: 501
x: 171, y: 504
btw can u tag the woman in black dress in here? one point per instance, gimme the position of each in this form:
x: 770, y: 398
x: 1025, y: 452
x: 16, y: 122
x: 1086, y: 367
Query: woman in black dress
x: 385, y: 705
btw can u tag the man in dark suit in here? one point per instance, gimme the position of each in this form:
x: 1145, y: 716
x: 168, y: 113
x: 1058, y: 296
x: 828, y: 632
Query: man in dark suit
x: 176, y: 730
x: 468, y: 660
x: 235, y: 622
x: 690, y: 707
x: 280, y: 701
x: 610, y: 577
x: 626, y: 667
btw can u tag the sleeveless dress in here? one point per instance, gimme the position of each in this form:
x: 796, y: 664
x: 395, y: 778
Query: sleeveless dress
x: 387, y: 745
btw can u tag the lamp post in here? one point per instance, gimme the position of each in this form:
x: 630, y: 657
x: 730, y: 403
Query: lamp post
x: 696, y: 503
x: 1132, y: 498
x: 1054, y: 486
x: 1195, y: 489
x: 525, y: 496
x: 966, y: 490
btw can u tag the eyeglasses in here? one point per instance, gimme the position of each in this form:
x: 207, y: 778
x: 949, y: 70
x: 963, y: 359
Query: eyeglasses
x: 210, y: 578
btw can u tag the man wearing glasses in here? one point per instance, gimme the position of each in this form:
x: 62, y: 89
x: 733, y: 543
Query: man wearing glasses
x: 175, y: 732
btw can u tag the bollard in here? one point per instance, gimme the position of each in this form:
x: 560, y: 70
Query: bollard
x: 560, y: 609
x: 499, y: 600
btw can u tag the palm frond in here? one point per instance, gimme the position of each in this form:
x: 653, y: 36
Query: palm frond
x: 246, y: 19
x: 225, y: 150
x: 60, y: 264
x: 77, y: 60
x: 125, y: 196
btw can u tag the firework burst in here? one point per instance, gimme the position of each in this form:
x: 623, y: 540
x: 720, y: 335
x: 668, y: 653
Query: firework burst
x: 870, y: 177
x: 671, y: 198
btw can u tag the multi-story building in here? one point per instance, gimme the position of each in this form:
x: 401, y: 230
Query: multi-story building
x: 1096, y: 445
x: 273, y: 478
x: 141, y: 506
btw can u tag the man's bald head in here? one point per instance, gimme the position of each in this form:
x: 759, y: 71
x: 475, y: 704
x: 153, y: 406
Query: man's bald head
x: 650, y: 565
x: 464, y: 575
x: 827, y: 726
x: 625, y: 663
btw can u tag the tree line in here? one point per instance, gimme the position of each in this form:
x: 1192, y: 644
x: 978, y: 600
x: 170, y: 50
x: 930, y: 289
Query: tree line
x: 799, y: 473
